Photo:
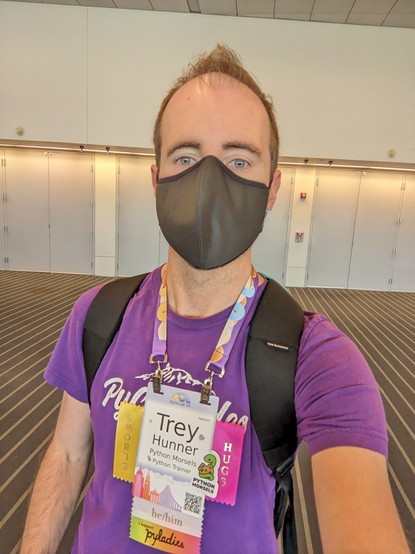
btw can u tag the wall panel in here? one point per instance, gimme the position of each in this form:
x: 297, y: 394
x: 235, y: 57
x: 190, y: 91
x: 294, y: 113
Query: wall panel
x: 138, y: 230
x: 334, y: 214
x: 375, y: 230
x: 403, y: 278
x: 27, y: 207
x: 2, y: 215
x: 71, y: 212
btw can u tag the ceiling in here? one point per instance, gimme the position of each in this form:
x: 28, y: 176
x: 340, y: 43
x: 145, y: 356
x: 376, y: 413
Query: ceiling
x: 380, y: 13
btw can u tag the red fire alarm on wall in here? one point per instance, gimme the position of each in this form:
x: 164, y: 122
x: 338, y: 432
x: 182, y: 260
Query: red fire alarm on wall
x: 303, y: 195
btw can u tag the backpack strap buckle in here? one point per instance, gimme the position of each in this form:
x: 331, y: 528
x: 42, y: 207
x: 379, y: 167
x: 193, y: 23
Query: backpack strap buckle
x: 284, y: 468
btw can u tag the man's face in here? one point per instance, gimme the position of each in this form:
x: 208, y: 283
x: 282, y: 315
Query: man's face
x: 216, y: 115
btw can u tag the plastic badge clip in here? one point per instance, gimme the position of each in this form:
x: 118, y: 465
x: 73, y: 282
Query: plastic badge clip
x: 206, y: 390
x: 157, y: 379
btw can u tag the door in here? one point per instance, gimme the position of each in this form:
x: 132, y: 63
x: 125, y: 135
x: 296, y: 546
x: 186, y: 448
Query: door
x: 138, y: 230
x: 403, y: 278
x: 269, y: 250
x: 375, y: 230
x: 27, y: 207
x: 71, y: 212
x: 331, y: 237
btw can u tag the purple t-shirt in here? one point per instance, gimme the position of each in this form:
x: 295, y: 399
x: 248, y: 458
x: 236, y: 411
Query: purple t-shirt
x: 336, y: 398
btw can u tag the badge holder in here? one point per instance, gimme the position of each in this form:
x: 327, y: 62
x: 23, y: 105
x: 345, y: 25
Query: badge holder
x: 177, y: 432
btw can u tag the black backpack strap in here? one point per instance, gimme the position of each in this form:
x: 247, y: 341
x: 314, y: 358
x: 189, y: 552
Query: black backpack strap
x: 103, y: 320
x: 284, y: 513
x: 271, y: 360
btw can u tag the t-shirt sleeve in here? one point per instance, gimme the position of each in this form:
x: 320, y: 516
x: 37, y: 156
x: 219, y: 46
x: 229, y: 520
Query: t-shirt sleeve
x: 66, y: 369
x: 337, y: 399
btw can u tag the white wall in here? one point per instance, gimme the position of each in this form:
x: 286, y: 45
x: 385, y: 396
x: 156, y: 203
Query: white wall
x: 94, y: 75
x: 43, y: 61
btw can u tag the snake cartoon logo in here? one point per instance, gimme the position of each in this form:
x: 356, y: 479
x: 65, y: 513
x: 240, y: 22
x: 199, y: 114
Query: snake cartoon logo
x: 207, y: 470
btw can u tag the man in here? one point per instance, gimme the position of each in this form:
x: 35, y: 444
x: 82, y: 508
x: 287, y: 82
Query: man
x: 216, y: 152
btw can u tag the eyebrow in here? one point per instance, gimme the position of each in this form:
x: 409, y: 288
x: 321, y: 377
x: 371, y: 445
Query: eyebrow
x: 185, y: 144
x: 233, y: 145
x: 243, y: 146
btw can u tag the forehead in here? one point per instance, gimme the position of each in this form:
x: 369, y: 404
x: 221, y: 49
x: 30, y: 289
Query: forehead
x: 216, y: 82
x: 215, y: 98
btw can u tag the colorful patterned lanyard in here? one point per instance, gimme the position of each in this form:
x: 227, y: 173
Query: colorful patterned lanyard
x: 216, y: 365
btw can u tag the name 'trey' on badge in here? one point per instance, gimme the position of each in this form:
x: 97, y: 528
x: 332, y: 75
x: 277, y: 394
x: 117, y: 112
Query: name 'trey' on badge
x: 170, y: 425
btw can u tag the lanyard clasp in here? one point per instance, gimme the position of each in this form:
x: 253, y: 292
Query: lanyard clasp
x: 158, y: 374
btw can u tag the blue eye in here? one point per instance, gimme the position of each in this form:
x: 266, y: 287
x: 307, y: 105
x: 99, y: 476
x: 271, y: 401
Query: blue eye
x: 185, y: 160
x: 239, y: 164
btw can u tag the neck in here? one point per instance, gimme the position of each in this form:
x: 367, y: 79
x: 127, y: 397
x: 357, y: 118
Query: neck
x: 200, y: 293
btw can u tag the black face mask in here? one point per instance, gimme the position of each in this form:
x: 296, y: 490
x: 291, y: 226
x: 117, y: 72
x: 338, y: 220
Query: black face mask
x: 208, y: 214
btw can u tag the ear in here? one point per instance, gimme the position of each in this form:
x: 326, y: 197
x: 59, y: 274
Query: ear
x: 273, y: 189
x: 154, y: 176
